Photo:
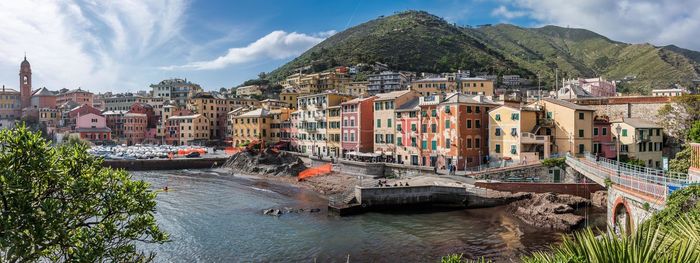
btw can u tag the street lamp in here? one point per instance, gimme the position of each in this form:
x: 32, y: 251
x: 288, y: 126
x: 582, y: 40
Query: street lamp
x: 618, y: 129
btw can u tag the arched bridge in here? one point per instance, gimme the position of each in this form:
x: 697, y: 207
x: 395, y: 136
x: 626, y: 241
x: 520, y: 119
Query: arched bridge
x: 634, y: 192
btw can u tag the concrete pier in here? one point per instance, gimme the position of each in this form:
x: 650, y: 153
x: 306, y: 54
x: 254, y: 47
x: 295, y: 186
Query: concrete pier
x: 165, y: 164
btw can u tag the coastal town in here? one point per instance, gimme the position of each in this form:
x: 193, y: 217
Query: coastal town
x: 449, y: 121
x: 197, y: 131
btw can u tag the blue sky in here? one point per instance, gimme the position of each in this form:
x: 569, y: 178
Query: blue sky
x: 126, y: 45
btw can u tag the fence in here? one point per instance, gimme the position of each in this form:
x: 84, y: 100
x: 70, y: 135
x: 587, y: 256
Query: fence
x: 642, y: 179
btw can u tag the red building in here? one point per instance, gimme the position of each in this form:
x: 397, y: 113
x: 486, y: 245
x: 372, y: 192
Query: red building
x: 135, y: 127
x: 78, y: 95
x: 454, y: 130
x: 143, y: 108
x: 43, y: 98
x: 172, y: 127
x: 25, y: 83
x: 357, y: 125
x: 603, y: 144
x: 407, y: 133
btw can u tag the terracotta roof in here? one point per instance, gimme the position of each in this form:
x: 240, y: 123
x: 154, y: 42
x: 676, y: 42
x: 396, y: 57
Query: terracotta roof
x: 409, y: 105
x: 256, y: 113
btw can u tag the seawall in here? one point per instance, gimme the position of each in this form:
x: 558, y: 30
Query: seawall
x: 165, y: 164
x: 578, y: 189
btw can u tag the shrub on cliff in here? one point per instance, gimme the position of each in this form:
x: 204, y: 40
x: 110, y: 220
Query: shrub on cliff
x: 60, y: 204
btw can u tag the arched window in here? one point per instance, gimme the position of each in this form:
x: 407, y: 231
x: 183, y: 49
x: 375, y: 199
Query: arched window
x: 25, y: 79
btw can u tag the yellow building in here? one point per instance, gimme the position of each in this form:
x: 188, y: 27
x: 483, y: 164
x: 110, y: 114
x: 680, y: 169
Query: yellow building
x: 572, y: 125
x: 319, y: 82
x: 639, y: 140
x: 450, y: 84
x: 192, y: 128
x: 251, y: 126
x: 511, y: 135
x: 277, y: 117
x: 250, y: 90
x: 214, y: 108
x: 385, y: 106
x: 355, y: 88
x: 333, y: 130
x: 289, y: 96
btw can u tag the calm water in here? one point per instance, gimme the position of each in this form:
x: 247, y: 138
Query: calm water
x: 215, y: 217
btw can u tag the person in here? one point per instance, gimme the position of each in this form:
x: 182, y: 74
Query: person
x: 406, y: 184
x: 435, y: 169
x: 395, y: 185
x: 165, y: 189
x: 400, y: 183
x: 332, y: 161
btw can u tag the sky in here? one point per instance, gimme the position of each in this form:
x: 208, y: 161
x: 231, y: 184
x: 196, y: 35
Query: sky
x: 127, y: 45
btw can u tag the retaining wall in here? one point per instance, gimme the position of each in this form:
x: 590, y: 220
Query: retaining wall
x: 164, y: 164
x: 410, y: 195
x: 582, y: 189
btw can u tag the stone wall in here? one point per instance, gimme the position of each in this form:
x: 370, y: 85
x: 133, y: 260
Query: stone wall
x: 410, y: 195
x: 164, y: 164
x: 583, y: 189
x: 638, y: 208
x: 647, y: 111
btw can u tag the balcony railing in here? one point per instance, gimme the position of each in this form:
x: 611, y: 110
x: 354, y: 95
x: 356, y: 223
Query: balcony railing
x: 532, y: 138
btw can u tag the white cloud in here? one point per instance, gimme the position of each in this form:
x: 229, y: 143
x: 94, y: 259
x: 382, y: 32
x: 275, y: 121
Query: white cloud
x: 275, y: 45
x: 503, y: 11
x: 660, y: 22
x: 93, y: 44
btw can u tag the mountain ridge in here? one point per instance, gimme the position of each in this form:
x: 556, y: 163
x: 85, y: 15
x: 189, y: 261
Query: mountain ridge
x: 422, y: 42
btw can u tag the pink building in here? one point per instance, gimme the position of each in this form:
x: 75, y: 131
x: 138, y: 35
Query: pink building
x: 78, y: 95
x: 92, y: 127
x: 146, y: 109
x: 357, y: 125
x: 603, y: 144
x: 598, y: 87
x: 71, y: 119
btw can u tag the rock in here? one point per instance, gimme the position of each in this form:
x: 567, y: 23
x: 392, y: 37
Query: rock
x: 272, y: 212
x: 549, y: 210
x: 600, y: 198
x: 315, y: 210
x: 267, y: 162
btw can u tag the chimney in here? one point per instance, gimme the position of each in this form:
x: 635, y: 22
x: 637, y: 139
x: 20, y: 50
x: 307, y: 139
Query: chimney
x: 629, y: 110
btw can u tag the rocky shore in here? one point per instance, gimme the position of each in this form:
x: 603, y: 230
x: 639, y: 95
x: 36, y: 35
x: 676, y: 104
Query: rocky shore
x: 549, y: 210
x: 267, y: 162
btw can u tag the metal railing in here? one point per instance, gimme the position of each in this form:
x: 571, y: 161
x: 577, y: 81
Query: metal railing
x: 649, y: 181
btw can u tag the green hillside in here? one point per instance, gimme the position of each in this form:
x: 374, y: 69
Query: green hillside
x: 418, y: 41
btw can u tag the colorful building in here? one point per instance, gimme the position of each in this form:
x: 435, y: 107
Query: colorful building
x: 357, y: 127
x: 385, y: 105
x: 333, y: 131
x: 450, y: 84
x: 92, y: 127
x: 603, y: 144
x: 408, y: 133
x: 312, y: 123
x: 10, y: 107
x: 135, y: 127
x: 640, y: 140
x: 78, y: 95
x: 187, y: 130
x: 252, y: 126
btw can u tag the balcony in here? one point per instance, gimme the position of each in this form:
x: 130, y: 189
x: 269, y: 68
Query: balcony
x: 530, y: 138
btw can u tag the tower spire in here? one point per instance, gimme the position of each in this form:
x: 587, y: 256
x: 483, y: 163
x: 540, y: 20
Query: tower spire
x: 25, y: 55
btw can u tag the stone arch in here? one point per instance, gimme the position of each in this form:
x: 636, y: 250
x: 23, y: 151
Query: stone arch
x: 622, y: 217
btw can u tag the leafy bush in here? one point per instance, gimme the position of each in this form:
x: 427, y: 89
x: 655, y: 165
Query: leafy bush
x: 60, y: 204
x: 554, y: 162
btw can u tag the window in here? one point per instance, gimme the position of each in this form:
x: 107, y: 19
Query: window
x: 498, y: 148
x: 447, y: 124
x: 498, y: 131
x: 515, y: 116
x: 624, y: 132
x: 433, y: 113
x: 469, y: 109
x: 513, y: 149
x: 658, y: 133
x: 469, y: 143
x: 398, y: 141
x: 413, y: 142
x: 388, y: 123
x: 514, y: 131
x: 378, y: 138
x: 398, y: 126
x: 433, y: 145
x: 605, y: 131
x: 477, y: 143
x: 580, y: 133
x: 549, y: 115
x: 389, y: 138
x: 498, y: 117
x: 595, y: 131
x: 580, y: 116
x: 581, y: 148
x: 424, y: 144
x: 477, y: 109
x: 469, y: 124
x: 447, y: 143
x: 433, y: 128
x: 477, y: 124
x: 413, y: 127
x: 379, y: 123
x: 424, y: 128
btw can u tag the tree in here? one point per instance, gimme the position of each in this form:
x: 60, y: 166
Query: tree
x: 60, y: 204
x: 694, y: 133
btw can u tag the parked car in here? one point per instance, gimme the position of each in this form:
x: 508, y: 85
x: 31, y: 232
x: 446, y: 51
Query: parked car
x: 192, y: 155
